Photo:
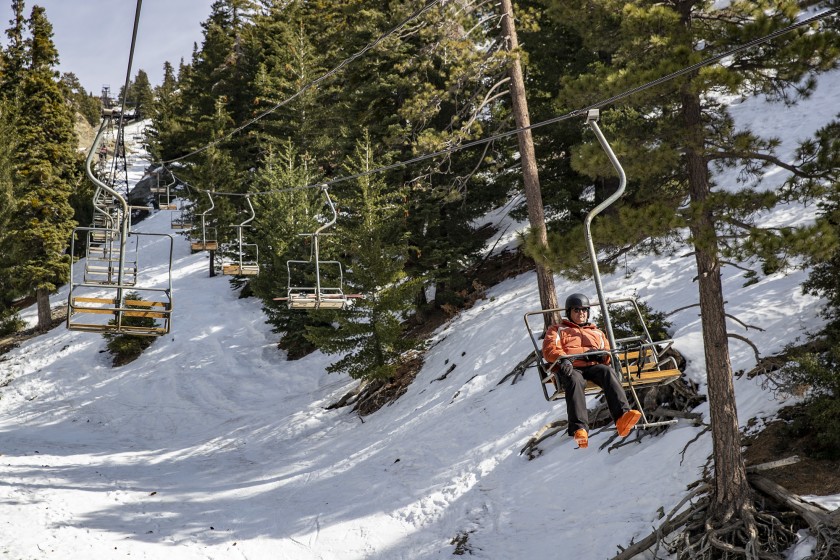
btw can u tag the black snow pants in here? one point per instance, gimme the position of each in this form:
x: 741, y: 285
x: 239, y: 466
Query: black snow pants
x: 603, y: 376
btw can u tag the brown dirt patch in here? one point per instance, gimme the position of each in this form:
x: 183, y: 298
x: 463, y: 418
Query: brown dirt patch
x: 807, y: 477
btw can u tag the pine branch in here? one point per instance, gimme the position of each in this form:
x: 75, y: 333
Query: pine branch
x: 796, y: 170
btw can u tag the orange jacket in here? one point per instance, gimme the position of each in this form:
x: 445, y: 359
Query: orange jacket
x: 570, y: 338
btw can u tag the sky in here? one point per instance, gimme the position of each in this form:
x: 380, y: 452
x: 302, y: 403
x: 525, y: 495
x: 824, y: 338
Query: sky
x: 212, y: 445
x: 93, y: 37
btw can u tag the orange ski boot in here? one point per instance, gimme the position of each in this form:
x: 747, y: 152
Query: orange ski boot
x: 624, y: 424
x: 582, y: 439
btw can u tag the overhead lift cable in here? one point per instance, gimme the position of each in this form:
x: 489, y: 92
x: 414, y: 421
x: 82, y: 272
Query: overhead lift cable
x: 576, y: 113
x: 314, y: 82
x: 111, y: 301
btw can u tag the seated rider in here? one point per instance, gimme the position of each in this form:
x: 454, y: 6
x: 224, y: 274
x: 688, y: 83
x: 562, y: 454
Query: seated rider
x: 575, y: 335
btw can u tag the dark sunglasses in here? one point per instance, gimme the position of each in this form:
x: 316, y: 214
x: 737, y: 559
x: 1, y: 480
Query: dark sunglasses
x: 580, y: 309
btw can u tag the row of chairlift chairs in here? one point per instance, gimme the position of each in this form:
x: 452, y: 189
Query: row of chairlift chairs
x: 325, y: 291
x: 110, y: 293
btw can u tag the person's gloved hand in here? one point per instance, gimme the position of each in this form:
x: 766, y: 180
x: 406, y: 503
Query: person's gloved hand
x: 596, y: 356
x: 564, y: 367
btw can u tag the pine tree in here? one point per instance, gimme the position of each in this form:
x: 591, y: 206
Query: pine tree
x: 372, y: 232
x: 141, y: 95
x: 8, y: 316
x: 44, y: 172
x: 14, y: 57
x: 434, y: 87
x: 285, y: 212
x: 671, y: 139
x: 165, y: 126
x: 89, y: 106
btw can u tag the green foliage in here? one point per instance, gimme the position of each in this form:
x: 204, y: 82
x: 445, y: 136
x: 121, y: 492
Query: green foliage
x: 817, y: 374
x: 371, y: 334
x: 819, y: 418
x: 632, y: 42
x: 822, y: 247
x: 140, y: 95
x: 432, y: 87
x: 125, y: 348
x: 283, y: 214
x: 10, y: 322
x: 7, y: 202
x: 15, y: 56
x: 625, y: 321
x: 45, y: 167
x: 88, y: 105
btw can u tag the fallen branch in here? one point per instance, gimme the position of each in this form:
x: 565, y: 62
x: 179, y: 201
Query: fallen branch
x: 667, y: 527
x: 774, y: 464
x: 543, y: 433
x: 695, y: 417
x: 519, y: 370
x: 813, y: 515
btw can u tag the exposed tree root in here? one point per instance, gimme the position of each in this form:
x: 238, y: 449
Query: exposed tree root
x: 370, y: 395
x: 750, y: 534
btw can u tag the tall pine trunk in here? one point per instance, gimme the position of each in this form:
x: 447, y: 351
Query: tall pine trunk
x: 530, y: 175
x: 731, y: 489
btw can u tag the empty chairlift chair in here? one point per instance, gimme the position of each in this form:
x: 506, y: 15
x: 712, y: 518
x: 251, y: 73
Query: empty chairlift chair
x: 116, y: 301
x: 322, y: 293
x: 182, y: 218
x: 245, y: 261
x: 164, y: 192
x: 207, y: 241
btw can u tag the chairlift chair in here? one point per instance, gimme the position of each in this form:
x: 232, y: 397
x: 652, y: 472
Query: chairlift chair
x: 182, y: 217
x: 321, y: 295
x: 247, y: 258
x: 207, y: 243
x: 638, y: 360
x: 115, y: 301
x: 163, y: 191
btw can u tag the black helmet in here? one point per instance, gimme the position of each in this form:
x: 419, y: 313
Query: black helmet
x: 576, y: 300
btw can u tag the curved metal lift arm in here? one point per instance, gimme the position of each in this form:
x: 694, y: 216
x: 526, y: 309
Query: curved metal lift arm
x: 647, y: 349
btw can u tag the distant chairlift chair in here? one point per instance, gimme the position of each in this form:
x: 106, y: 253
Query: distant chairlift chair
x: 182, y: 217
x: 319, y: 296
x: 115, y: 301
x: 165, y: 196
x: 206, y: 244
x: 247, y: 254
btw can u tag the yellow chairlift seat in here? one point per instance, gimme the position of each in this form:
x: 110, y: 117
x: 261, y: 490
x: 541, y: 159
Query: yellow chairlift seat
x: 82, y: 309
x: 204, y: 245
x: 237, y: 269
x: 310, y: 299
